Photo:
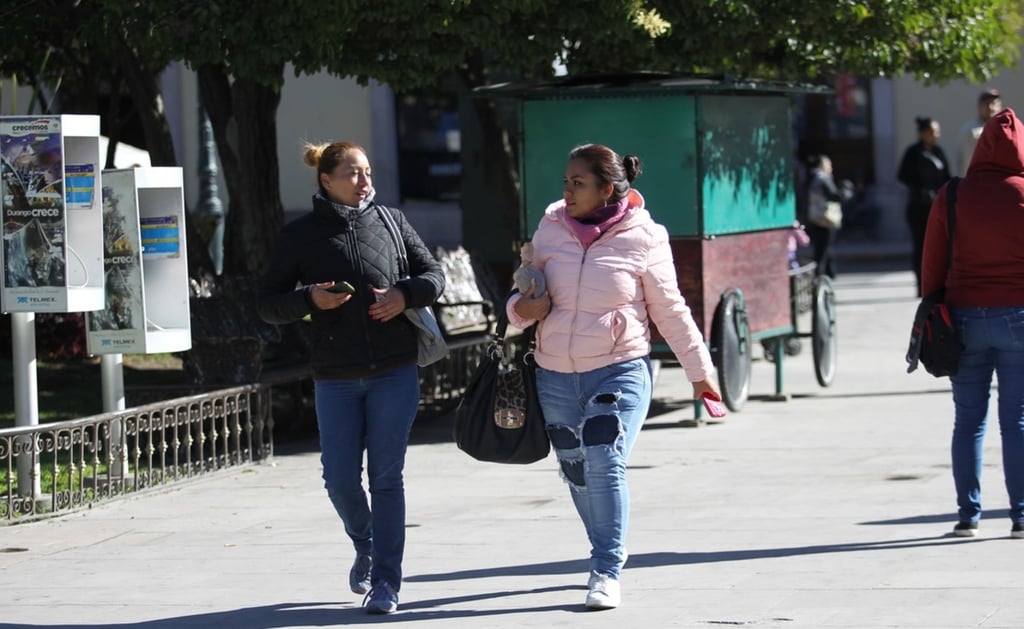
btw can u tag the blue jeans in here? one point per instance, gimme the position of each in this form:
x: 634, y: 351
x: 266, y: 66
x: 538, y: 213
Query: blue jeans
x: 374, y: 414
x: 593, y: 419
x: 993, y: 339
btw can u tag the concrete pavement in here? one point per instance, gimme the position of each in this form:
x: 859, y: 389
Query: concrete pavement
x: 829, y: 510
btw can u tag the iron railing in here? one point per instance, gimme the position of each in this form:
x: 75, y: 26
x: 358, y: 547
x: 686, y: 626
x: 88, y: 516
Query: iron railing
x: 66, y: 466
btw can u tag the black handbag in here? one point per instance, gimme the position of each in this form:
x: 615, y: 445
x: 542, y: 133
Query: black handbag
x: 499, y: 419
x: 934, y: 342
x: 934, y: 339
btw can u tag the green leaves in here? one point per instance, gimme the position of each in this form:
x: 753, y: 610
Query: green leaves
x: 411, y: 43
x: 937, y: 40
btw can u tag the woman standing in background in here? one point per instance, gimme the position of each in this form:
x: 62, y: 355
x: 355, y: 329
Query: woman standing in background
x: 924, y: 169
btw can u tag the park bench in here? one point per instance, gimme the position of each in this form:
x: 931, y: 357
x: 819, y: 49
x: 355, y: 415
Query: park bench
x: 466, y: 315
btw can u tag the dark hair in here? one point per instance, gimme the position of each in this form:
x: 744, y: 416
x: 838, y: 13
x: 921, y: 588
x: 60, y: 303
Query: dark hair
x: 989, y: 94
x: 326, y: 157
x: 923, y: 124
x: 608, y: 167
x: 815, y: 161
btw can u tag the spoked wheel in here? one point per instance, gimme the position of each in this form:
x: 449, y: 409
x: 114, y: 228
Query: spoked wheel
x: 823, y: 331
x: 731, y: 349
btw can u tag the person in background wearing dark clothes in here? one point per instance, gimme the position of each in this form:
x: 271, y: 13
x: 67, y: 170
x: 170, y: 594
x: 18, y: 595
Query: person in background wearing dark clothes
x: 985, y: 295
x: 923, y: 169
x: 822, y: 189
x: 363, y: 352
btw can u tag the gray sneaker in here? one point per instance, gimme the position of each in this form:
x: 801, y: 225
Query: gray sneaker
x: 382, y: 599
x: 604, y: 592
x: 359, y: 575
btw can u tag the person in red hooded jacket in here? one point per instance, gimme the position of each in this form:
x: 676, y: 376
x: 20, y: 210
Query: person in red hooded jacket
x: 985, y: 293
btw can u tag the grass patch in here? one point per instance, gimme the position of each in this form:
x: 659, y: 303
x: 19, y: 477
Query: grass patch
x: 65, y: 478
x: 74, y: 388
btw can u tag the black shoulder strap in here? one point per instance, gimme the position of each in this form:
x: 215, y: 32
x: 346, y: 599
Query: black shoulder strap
x: 950, y: 219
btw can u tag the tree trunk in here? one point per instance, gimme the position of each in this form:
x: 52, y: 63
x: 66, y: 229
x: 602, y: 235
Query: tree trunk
x: 244, y: 119
x: 492, y: 218
x: 145, y: 92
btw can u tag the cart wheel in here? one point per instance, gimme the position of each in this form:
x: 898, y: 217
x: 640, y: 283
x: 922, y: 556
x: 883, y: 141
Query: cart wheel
x: 823, y: 331
x: 731, y: 349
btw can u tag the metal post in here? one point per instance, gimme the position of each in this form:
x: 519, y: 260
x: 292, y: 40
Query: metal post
x: 780, y: 353
x: 209, y: 206
x: 112, y: 372
x: 26, y: 399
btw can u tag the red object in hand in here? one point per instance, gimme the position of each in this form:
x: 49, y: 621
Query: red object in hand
x: 713, y: 405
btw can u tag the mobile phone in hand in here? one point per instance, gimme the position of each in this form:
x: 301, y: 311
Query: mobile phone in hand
x: 713, y: 405
x: 342, y: 287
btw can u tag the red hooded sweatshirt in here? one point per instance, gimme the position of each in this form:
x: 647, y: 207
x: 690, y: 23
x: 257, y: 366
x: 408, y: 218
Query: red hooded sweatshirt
x: 988, y: 239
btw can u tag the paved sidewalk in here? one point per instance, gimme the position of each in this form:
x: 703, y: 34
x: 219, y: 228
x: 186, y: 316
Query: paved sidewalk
x: 829, y: 510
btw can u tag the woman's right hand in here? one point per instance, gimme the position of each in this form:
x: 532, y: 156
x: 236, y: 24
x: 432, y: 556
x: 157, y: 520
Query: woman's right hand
x: 707, y: 385
x: 325, y: 299
x: 530, y: 307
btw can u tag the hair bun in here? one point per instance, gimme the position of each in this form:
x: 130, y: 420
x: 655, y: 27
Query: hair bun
x: 312, y: 155
x: 633, y: 167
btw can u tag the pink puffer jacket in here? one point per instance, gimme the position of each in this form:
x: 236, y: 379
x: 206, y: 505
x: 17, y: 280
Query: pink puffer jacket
x: 601, y: 297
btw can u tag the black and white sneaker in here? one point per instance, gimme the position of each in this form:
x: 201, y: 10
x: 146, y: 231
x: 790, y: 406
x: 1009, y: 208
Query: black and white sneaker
x: 965, y: 529
x: 1017, y: 530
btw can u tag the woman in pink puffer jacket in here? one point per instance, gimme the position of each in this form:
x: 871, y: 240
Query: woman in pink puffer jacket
x: 609, y: 274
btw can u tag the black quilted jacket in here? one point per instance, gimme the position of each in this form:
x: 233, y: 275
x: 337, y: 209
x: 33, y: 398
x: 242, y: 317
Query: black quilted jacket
x: 354, y: 246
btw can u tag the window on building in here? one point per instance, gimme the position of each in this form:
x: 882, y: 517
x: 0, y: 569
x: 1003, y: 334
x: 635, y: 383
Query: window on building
x: 429, y: 145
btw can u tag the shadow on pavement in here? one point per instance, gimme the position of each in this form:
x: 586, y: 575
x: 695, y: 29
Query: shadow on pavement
x: 650, y: 560
x: 865, y: 394
x: 328, y: 614
x: 935, y: 518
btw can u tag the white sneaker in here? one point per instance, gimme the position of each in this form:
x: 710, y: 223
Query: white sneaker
x: 604, y: 592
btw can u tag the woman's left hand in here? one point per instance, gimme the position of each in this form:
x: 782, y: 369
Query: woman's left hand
x: 533, y: 308
x: 390, y: 303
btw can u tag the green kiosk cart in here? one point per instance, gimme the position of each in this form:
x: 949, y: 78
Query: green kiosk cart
x: 718, y: 172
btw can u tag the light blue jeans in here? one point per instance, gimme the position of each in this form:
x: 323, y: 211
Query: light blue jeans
x: 593, y: 419
x: 993, y: 339
x: 374, y: 414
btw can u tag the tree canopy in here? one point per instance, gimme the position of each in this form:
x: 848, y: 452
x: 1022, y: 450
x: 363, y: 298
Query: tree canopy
x: 240, y: 50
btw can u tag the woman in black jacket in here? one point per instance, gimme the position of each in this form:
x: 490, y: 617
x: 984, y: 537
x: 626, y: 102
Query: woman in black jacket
x: 339, y: 265
x: 924, y: 169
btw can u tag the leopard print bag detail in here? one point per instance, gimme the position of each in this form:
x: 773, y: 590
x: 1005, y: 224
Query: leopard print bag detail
x: 510, y: 398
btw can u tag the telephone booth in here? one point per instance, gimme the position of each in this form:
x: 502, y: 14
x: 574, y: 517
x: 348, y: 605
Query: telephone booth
x: 146, y: 279
x: 718, y: 173
x: 52, y: 255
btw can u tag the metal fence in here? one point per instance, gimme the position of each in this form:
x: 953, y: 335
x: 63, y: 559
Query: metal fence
x: 66, y: 466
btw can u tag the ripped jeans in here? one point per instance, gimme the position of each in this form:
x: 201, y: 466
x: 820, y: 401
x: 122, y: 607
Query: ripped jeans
x: 593, y: 419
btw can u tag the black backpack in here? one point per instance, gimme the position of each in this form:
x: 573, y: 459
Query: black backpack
x: 934, y: 342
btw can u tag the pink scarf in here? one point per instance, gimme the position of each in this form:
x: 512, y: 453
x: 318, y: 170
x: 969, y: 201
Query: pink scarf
x: 590, y: 227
